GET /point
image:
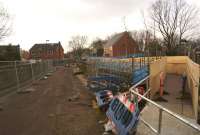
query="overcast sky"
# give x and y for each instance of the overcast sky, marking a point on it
(35, 21)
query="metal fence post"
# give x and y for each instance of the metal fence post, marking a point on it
(32, 73)
(160, 121)
(147, 87)
(47, 67)
(132, 64)
(148, 58)
(148, 81)
(41, 69)
(17, 77)
(43, 66)
(96, 72)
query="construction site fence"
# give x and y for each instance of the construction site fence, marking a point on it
(117, 66)
(15, 75)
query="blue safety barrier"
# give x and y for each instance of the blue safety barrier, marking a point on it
(96, 86)
(103, 99)
(136, 55)
(109, 78)
(124, 115)
(139, 74)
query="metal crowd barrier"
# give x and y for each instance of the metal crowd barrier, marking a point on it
(16, 74)
(161, 110)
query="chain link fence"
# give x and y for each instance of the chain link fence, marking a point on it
(14, 75)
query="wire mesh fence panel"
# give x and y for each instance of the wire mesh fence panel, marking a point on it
(24, 73)
(14, 75)
(7, 78)
(50, 66)
(6, 63)
(121, 67)
(37, 70)
(45, 67)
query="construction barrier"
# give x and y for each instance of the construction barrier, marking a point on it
(156, 68)
(192, 70)
(176, 64)
(16, 75)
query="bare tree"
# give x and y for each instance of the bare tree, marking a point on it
(188, 21)
(77, 43)
(152, 44)
(5, 23)
(97, 45)
(174, 19)
(142, 38)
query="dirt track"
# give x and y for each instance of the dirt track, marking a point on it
(47, 111)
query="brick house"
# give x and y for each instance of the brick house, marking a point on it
(47, 51)
(121, 44)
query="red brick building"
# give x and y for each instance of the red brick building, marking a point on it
(47, 51)
(121, 44)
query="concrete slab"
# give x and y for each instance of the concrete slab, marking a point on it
(173, 85)
(182, 107)
(170, 125)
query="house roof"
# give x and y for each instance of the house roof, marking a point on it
(114, 39)
(46, 46)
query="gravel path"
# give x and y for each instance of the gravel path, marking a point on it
(48, 111)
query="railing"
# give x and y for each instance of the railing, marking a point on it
(161, 110)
